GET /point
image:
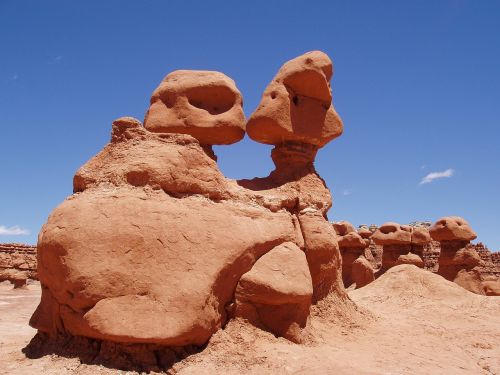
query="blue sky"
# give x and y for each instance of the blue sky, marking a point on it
(417, 84)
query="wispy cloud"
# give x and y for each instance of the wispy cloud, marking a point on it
(13, 77)
(436, 175)
(16, 230)
(347, 192)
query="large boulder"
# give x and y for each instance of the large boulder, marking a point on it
(276, 293)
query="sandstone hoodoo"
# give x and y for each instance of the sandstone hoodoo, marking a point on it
(457, 260)
(396, 240)
(420, 237)
(352, 247)
(156, 246)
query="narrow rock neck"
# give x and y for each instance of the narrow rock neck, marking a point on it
(293, 159)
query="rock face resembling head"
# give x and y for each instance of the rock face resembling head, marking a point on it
(452, 228)
(392, 234)
(297, 105)
(204, 104)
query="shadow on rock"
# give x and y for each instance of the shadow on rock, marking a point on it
(126, 357)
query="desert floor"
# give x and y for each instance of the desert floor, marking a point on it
(409, 321)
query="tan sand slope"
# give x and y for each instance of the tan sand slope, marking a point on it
(409, 321)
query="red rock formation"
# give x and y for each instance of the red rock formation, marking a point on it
(396, 240)
(153, 244)
(431, 256)
(456, 260)
(362, 272)
(352, 246)
(17, 263)
(296, 106)
(206, 105)
(276, 293)
(490, 262)
(491, 287)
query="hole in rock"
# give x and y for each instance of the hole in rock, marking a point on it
(213, 99)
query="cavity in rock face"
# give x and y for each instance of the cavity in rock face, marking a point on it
(457, 261)
(156, 240)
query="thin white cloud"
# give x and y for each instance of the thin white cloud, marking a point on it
(16, 230)
(347, 192)
(13, 77)
(436, 175)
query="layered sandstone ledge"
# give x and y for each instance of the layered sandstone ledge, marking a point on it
(18, 263)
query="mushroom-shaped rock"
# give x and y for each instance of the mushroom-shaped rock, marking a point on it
(352, 240)
(454, 234)
(351, 246)
(276, 293)
(297, 104)
(419, 238)
(16, 277)
(410, 259)
(452, 228)
(204, 104)
(396, 240)
(392, 234)
(362, 272)
(364, 232)
(343, 227)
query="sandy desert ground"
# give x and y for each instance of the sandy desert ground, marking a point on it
(409, 321)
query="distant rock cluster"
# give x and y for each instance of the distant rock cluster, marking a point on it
(443, 248)
(17, 263)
